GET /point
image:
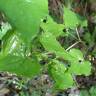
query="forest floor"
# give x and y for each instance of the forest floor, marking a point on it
(12, 85)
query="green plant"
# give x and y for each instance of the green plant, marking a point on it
(15, 10)
(91, 91)
(19, 53)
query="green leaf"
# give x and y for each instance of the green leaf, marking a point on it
(84, 93)
(52, 45)
(63, 79)
(25, 16)
(93, 91)
(71, 19)
(21, 66)
(90, 92)
(83, 68)
(76, 53)
(13, 57)
(52, 27)
(64, 82)
(78, 65)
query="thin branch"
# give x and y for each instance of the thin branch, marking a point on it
(78, 34)
(72, 45)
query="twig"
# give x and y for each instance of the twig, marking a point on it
(72, 45)
(78, 34)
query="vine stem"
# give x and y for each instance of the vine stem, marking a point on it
(72, 45)
(78, 34)
(76, 42)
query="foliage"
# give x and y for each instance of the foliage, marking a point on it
(18, 54)
(91, 91)
(58, 71)
(25, 13)
(72, 19)
(4, 28)
(78, 63)
(12, 57)
(52, 27)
